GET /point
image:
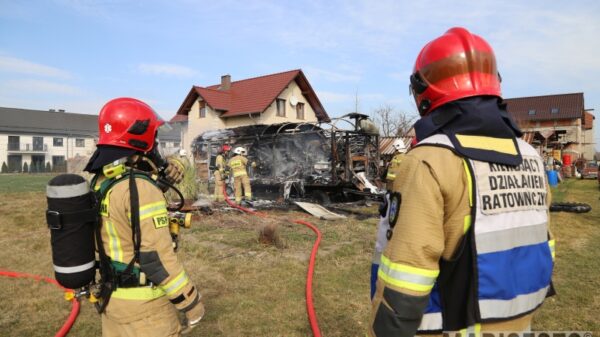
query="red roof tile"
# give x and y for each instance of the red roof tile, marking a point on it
(563, 106)
(178, 118)
(253, 95)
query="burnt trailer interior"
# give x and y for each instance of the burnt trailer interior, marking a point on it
(323, 162)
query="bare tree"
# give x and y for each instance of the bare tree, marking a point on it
(392, 123)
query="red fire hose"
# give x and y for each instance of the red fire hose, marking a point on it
(64, 330)
(312, 317)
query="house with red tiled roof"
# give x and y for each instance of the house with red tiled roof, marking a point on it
(269, 99)
(556, 123)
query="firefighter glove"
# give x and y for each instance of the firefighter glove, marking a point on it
(174, 171)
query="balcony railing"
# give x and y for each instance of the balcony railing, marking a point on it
(24, 147)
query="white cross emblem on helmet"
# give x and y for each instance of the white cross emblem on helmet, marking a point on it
(107, 128)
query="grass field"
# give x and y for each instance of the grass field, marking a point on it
(255, 290)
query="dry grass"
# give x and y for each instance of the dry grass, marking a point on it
(256, 289)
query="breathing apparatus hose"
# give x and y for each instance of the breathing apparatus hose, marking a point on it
(312, 317)
(64, 330)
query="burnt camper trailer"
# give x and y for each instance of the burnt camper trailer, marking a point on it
(338, 160)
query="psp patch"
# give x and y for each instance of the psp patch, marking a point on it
(394, 210)
(160, 221)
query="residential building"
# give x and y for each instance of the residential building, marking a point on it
(270, 99)
(39, 138)
(556, 123)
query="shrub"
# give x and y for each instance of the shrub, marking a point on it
(25, 167)
(4, 167)
(48, 167)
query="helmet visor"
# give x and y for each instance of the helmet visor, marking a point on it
(457, 65)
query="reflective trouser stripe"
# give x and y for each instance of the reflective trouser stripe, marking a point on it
(405, 276)
(551, 244)
(176, 284)
(515, 306)
(431, 322)
(139, 293)
(473, 330)
(114, 242)
(390, 176)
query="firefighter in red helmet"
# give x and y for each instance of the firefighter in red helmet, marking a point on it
(469, 247)
(220, 173)
(142, 277)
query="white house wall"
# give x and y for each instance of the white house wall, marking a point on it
(68, 150)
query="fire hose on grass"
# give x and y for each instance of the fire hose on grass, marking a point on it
(312, 317)
(64, 330)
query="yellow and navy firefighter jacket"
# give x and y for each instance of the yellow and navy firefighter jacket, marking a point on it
(158, 262)
(238, 165)
(471, 247)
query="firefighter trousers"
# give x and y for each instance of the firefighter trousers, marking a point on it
(242, 181)
(134, 318)
(219, 183)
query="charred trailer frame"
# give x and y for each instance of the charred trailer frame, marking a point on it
(297, 160)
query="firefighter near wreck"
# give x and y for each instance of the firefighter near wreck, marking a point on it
(469, 246)
(221, 172)
(238, 168)
(125, 215)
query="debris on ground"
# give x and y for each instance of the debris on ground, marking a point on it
(319, 211)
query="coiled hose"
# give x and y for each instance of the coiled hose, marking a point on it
(64, 330)
(312, 317)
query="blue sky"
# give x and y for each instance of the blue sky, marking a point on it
(77, 54)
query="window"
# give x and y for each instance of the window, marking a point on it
(163, 145)
(59, 164)
(532, 111)
(38, 143)
(176, 144)
(79, 142)
(281, 107)
(300, 110)
(554, 110)
(57, 141)
(202, 111)
(13, 143)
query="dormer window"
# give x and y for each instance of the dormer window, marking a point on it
(532, 111)
(554, 110)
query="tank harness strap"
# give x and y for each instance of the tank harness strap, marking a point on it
(106, 272)
(112, 278)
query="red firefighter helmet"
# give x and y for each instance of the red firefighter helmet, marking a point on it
(225, 148)
(456, 65)
(129, 123)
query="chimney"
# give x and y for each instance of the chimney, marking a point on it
(225, 82)
(61, 110)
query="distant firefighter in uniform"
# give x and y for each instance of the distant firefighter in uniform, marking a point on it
(237, 165)
(469, 248)
(395, 162)
(220, 173)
